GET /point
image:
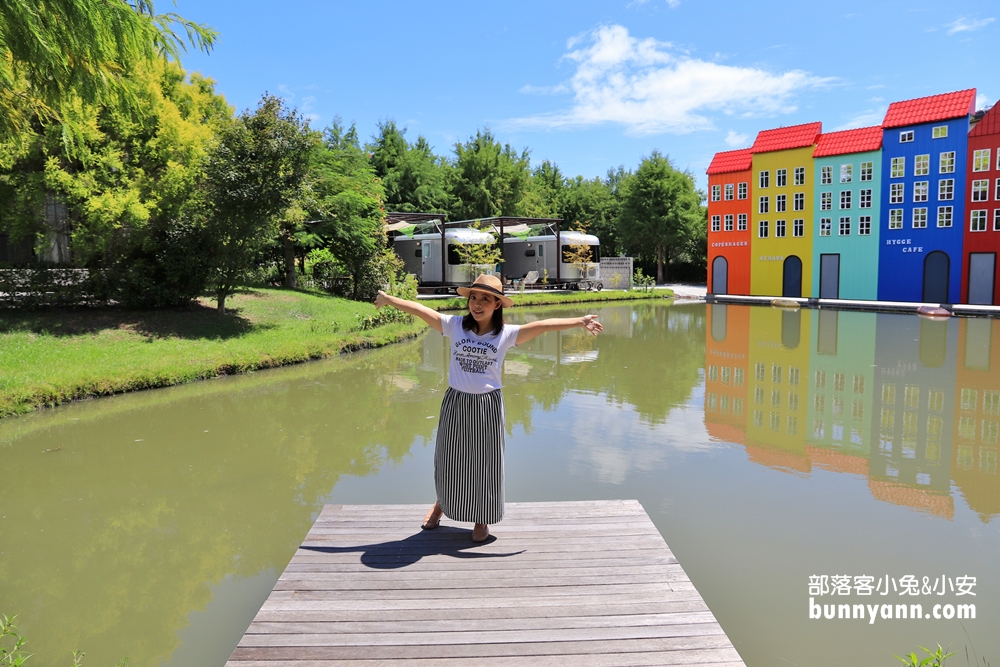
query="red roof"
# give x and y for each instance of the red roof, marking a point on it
(930, 109)
(849, 141)
(784, 138)
(990, 124)
(729, 161)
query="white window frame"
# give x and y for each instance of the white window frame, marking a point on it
(918, 218)
(946, 162)
(779, 229)
(906, 136)
(826, 201)
(728, 192)
(996, 219)
(865, 225)
(743, 190)
(798, 227)
(826, 175)
(897, 167)
(921, 190)
(996, 194)
(825, 224)
(727, 221)
(981, 159)
(716, 223)
(780, 203)
(939, 132)
(762, 228)
(741, 222)
(945, 216)
(846, 199)
(764, 204)
(865, 198)
(867, 171)
(764, 179)
(978, 219)
(799, 201)
(897, 193)
(845, 226)
(895, 218)
(981, 189)
(716, 193)
(946, 189)
(846, 172)
(800, 176)
(780, 178)
(922, 165)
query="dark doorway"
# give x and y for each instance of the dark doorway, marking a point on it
(791, 328)
(829, 276)
(936, 266)
(720, 275)
(982, 267)
(719, 322)
(791, 282)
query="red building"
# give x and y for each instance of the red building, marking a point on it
(729, 222)
(980, 278)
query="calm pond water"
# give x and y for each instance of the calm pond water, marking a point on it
(767, 446)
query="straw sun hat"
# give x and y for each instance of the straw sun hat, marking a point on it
(488, 285)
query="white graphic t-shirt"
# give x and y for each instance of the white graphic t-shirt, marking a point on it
(476, 360)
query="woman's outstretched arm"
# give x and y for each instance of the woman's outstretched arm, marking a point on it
(532, 329)
(432, 317)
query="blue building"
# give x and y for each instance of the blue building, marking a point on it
(924, 146)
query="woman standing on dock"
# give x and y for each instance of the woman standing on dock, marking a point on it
(469, 452)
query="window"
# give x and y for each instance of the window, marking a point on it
(763, 204)
(867, 171)
(765, 176)
(896, 193)
(741, 190)
(758, 372)
(780, 178)
(898, 169)
(845, 226)
(996, 219)
(715, 223)
(996, 194)
(826, 176)
(824, 226)
(800, 176)
(946, 165)
(865, 225)
(779, 229)
(977, 222)
(820, 380)
(919, 218)
(921, 165)
(775, 374)
(981, 160)
(846, 173)
(946, 189)
(741, 222)
(780, 203)
(865, 199)
(896, 218)
(800, 201)
(825, 201)
(762, 229)
(920, 191)
(738, 377)
(944, 216)
(729, 191)
(716, 193)
(729, 222)
(838, 382)
(906, 137)
(845, 199)
(758, 395)
(939, 132)
(798, 227)
(981, 190)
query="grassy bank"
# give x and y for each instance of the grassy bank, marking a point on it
(557, 297)
(54, 356)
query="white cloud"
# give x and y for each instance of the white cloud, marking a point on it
(982, 101)
(864, 119)
(673, 4)
(643, 85)
(528, 89)
(736, 140)
(965, 24)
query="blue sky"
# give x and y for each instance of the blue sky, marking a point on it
(594, 85)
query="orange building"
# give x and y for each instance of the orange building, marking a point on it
(729, 222)
(727, 341)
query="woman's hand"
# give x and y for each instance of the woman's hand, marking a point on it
(590, 323)
(382, 299)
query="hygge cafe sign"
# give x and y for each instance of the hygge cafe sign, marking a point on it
(906, 243)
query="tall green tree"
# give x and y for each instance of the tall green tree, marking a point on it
(660, 212)
(413, 178)
(253, 175)
(489, 179)
(58, 54)
(593, 204)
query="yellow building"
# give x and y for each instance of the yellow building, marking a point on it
(781, 246)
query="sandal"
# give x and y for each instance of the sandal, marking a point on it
(480, 532)
(433, 518)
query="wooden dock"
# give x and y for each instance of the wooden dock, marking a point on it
(560, 583)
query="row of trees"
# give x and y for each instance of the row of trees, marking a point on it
(164, 192)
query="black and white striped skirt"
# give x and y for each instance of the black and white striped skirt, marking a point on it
(468, 456)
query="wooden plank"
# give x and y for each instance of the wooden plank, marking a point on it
(579, 583)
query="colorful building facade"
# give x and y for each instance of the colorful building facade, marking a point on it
(730, 193)
(782, 218)
(846, 206)
(726, 358)
(980, 278)
(924, 147)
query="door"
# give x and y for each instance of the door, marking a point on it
(720, 275)
(791, 283)
(829, 276)
(936, 266)
(430, 263)
(982, 267)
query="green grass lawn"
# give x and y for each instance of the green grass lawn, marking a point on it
(53, 356)
(556, 297)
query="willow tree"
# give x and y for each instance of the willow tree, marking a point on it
(56, 55)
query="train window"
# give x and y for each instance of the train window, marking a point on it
(418, 252)
(530, 252)
(453, 257)
(595, 253)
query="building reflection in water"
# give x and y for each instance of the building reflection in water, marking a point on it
(913, 404)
